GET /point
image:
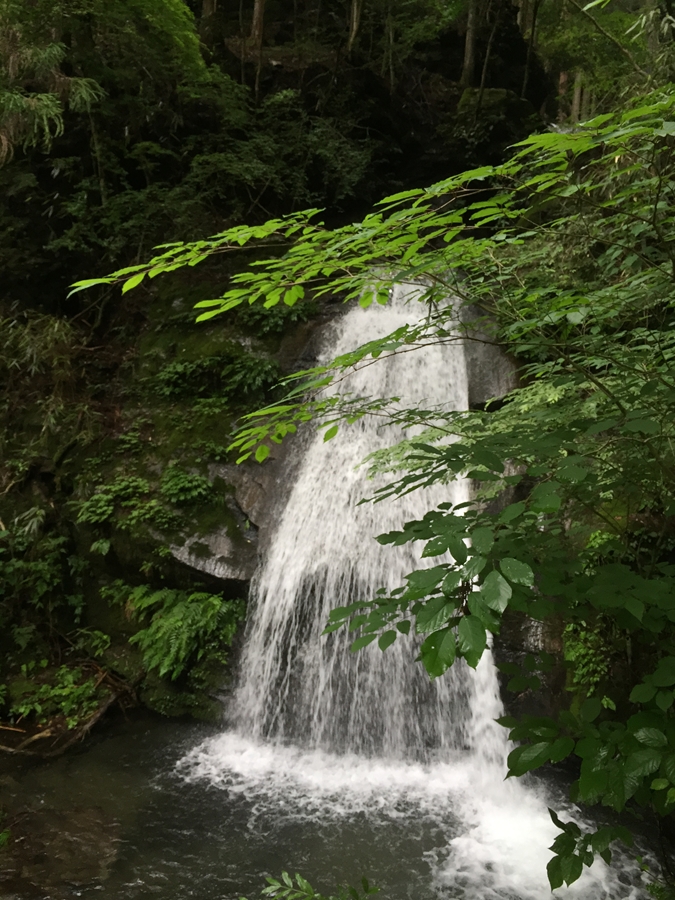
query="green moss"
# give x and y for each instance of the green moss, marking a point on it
(169, 700)
(125, 660)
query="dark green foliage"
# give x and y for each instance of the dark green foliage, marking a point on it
(66, 692)
(232, 375)
(180, 626)
(39, 584)
(277, 319)
(184, 488)
(128, 498)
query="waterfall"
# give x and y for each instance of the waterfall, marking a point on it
(319, 732)
(298, 684)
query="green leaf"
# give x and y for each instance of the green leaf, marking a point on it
(516, 571)
(590, 709)
(571, 868)
(386, 640)
(660, 784)
(643, 426)
(496, 592)
(642, 762)
(262, 452)
(571, 473)
(651, 737)
(451, 582)
(457, 548)
(545, 501)
(642, 693)
(665, 672)
(423, 581)
(530, 756)
(592, 783)
(433, 614)
(87, 283)
(330, 434)
(561, 749)
(664, 700)
(362, 641)
(438, 652)
(511, 512)
(472, 639)
(482, 540)
(554, 872)
(669, 767)
(473, 567)
(133, 282)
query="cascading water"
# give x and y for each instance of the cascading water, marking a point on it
(323, 734)
(298, 684)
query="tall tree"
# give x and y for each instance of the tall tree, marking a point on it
(469, 63)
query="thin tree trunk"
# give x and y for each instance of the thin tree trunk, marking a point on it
(562, 91)
(390, 31)
(206, 23)
(609, 37)
(576, 97)
(530, 48)
(98, 157)
(524, 16)
(488, 52)
(469, 64)
(354, 23)
(258, 22)
(585, 104)
(242, 42)
(257, 27)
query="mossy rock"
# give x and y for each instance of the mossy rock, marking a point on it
(18, 688)
(495, 103)
(124, 660)
(168, 699)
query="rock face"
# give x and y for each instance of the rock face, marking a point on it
(257, 491)
(521, 636)
(220, 556)
(491, 374)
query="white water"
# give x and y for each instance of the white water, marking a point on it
(320, 733)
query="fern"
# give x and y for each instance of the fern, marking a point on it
(180, 625)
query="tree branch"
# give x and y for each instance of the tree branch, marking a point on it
(610, 37)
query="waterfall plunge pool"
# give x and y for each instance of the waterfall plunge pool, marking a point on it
(192, 813)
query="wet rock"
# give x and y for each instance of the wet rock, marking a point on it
(51, 849)
(491, 374)
(219, 555)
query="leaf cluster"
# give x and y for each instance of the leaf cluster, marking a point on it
(298, 888)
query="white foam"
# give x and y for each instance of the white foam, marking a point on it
(496, 833)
